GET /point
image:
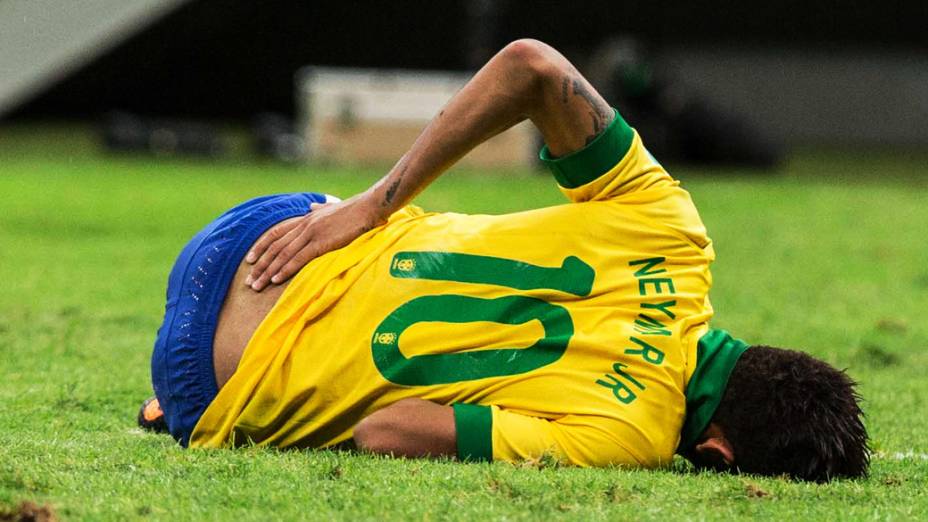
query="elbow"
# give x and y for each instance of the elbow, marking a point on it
(531, 55)
(533, 63)
(371, 435)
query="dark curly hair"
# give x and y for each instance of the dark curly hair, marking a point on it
(787, 413)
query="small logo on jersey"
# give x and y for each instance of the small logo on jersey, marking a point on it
(405, 265)
(385, 338)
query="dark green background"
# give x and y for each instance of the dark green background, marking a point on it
(231, 59)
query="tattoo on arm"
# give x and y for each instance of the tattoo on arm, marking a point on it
(391, 190)
(600, 112)
(564, 85)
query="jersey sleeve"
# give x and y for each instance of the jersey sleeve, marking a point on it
(487, 433)
(614, 164)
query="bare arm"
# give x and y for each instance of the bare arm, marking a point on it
(409, 428)
(420, 428)
(525, 80)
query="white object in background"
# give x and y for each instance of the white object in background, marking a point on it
(373, 116)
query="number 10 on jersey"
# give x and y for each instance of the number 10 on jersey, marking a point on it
(573, 277)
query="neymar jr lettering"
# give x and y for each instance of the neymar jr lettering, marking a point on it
(646, 326)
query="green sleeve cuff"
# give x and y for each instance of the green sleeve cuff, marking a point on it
(604, 152)
(474, 426)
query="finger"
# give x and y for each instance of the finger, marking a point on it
(296, 263)
(314, 206)
(261, 245)
(260, 267)
(292, 243)
(275, 233)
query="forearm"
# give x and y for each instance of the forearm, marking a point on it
(525, 80)
(409, 428)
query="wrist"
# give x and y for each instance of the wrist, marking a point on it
(388, 195)
(374, 204)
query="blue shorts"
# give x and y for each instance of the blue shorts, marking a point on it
(182, 370)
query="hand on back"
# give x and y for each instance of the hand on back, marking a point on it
(290, 245)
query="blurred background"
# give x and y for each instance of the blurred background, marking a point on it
(706, 81)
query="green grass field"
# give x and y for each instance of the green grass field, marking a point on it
(828, 255)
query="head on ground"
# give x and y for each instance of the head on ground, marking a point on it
(151, 417)
(786, 413)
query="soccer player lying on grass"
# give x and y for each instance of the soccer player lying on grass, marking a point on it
(577, 331)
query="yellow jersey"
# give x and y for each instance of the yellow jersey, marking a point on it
(569, 331)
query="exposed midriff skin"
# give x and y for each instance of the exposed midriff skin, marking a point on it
(241, 313)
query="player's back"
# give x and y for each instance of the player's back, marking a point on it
(242, 311)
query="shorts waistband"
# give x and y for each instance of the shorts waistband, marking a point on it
(182, 369)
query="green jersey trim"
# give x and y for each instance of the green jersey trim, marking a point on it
(604, 152)
(716, 355)
(474, 426)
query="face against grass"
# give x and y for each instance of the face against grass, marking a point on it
(703, 462)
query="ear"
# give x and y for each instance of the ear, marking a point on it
(715, 447)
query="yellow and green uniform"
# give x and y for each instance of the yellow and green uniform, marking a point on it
(571, 330)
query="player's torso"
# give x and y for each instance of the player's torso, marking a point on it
(581, 309)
